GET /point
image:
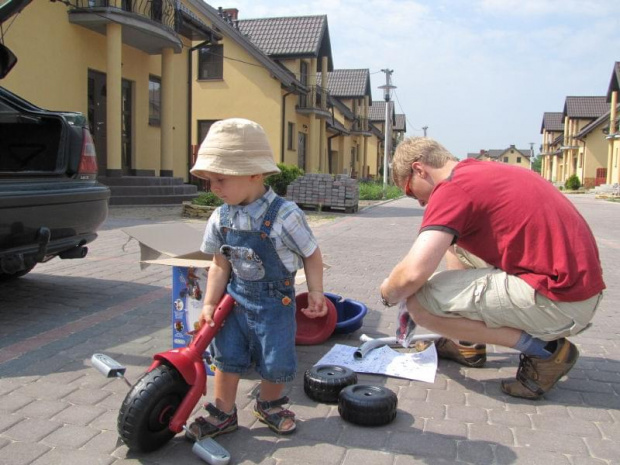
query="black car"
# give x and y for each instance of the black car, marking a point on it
(50, 201)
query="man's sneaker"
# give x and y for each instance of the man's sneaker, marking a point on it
(470, 355)
(537, 376)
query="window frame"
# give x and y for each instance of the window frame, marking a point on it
(154, 119)
(216, 53)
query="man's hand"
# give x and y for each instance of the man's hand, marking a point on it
(317, 306)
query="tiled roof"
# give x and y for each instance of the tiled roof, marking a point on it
(585, 107)
(552, 121)
(298, 35)
(224, 27)
(376, 112)
(496, 153)
(614, 82)
(400, 123)
(348, 83)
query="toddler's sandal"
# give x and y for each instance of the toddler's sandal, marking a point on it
(275, 419)
(202, 428)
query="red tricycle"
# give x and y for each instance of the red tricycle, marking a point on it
(159, 404)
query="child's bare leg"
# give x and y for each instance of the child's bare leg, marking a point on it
(225, 390)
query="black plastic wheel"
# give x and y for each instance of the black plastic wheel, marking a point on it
(323, 383)
(367, 405)
(148, 408)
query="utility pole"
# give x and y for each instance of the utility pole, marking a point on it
(531, 153)
(388, 138)
(424, 128)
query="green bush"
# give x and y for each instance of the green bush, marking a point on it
(572, 183)
(208, 199)
(374, 191)
(279, 182)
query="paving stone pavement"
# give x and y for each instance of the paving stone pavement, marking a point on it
(56, 409)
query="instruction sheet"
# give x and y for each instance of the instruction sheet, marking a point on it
(418, 366)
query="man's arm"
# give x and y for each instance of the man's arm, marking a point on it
(418, 265)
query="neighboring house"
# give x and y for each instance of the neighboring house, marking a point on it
(592, 162)
(353, 152)
(510, 156)
(397, 122)
(613, 132)
(266, 70)
(578, 113)
(125, 65)
(552, 128)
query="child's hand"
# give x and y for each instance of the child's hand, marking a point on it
(206, 316)
(317, 306)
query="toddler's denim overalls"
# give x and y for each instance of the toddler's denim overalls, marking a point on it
(261, 328)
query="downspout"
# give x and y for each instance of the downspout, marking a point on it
(282, 130)
(189, 103)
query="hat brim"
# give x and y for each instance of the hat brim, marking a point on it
(234, 163)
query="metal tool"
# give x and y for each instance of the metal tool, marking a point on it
(369, 343)
(109, 367)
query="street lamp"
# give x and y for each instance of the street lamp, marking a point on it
(386, 149)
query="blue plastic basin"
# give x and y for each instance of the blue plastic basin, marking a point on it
(350, 313)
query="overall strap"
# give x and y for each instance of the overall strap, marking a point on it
(224, 220)
(271, 214)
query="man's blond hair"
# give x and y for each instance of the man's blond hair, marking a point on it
(422, 149)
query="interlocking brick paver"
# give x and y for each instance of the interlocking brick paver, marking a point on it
(22, 453)
(50, 394)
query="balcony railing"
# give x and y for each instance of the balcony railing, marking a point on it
(360, 124)
(160, 11)
(315, 100)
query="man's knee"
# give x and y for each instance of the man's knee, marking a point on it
(418, 313)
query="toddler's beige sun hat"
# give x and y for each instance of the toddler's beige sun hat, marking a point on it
(236, 147)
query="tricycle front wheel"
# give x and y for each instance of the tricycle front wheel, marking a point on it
(144, 417)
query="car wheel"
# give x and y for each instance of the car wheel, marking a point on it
(323, 383)
(144, 417)
(367, 405)
(11, 276)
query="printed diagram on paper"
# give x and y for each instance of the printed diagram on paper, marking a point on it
(418, 366)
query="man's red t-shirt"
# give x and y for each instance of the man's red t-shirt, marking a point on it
(520, 223)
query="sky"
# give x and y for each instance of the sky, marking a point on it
(479, 74)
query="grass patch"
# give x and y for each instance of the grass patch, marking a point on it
(374, 191)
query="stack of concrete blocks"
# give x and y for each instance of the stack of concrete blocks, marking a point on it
(325, 191)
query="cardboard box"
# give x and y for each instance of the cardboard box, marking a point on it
(178, 245)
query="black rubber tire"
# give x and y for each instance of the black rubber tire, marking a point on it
(367, 405)
(148, 407)
(323, 383)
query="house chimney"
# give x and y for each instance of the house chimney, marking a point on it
(233, 13)
(512, 146)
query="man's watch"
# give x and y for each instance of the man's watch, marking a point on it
(385, 302)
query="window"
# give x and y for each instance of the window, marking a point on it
(505, 159)
(154, 101)
(290, 144)
(203, 128)
(518, 159)
(211, 62)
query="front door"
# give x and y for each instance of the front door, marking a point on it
(97, 117)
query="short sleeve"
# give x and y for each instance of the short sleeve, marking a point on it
(296, 233)
(449, 209)
(212, 239)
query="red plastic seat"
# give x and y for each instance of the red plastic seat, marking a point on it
(312, 331)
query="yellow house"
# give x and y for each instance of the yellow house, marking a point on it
(578, 113)
(125, 66)
(510, 156)
(266, 70)
(398, 128)
(352, 152)
(552, 129)
(613, 132)
(592, 158)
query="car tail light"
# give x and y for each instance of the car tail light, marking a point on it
(88, 159)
